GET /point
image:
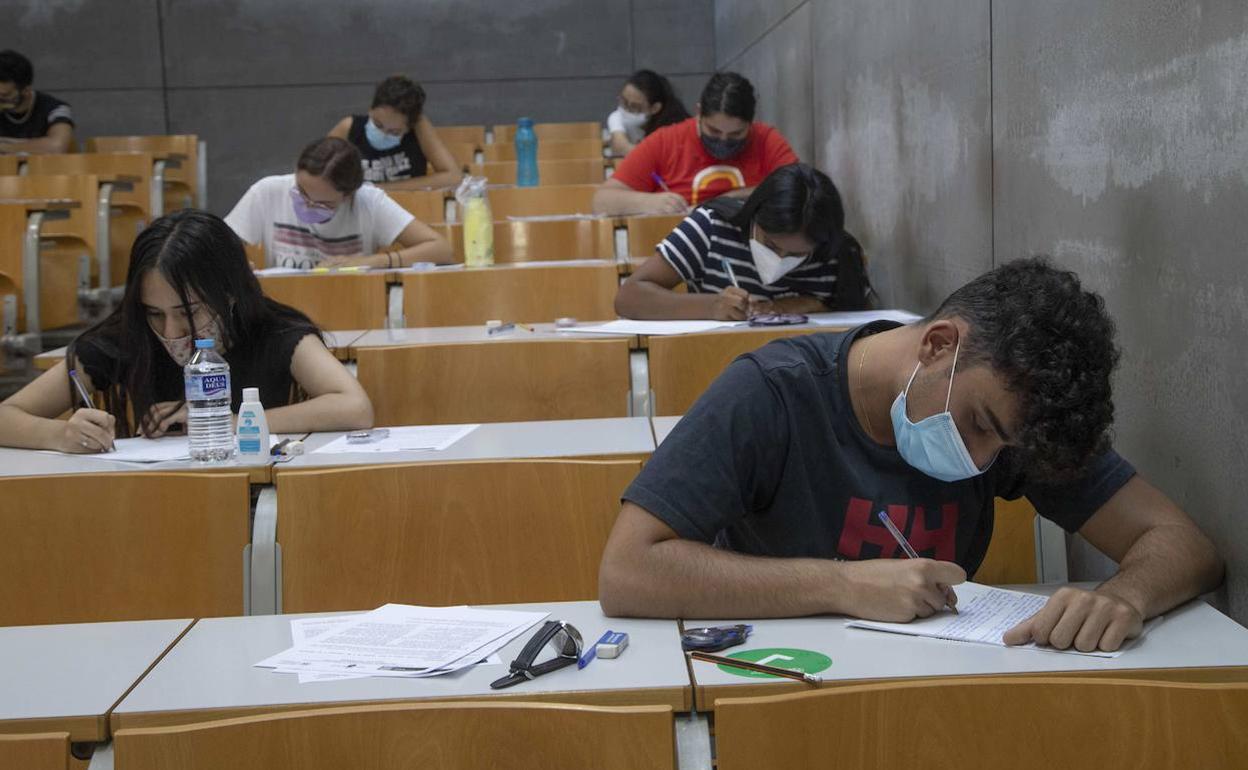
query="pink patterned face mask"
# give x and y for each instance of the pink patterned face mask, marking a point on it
(181, 348)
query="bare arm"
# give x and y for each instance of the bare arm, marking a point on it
(60, 138)
(799, 304)
(616, 198)
(1163, 560)
(29, 418)
(336, 401)
(419, 243)
(647, 294)
(648, 571)
(620, 146)
(341, 128)
(445, 171)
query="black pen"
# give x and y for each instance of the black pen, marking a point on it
(913, 554)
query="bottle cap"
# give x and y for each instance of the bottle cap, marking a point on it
(251, 394)
(201, 344)
(525, 122)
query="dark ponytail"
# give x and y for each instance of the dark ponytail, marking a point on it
(801, 199)
(731, 94)
(658, 90)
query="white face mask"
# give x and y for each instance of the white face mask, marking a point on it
(633, 119)
(181, 348)
(770, 265)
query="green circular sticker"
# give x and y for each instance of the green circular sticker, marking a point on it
(805, 661)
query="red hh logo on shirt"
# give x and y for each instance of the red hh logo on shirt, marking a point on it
(933, 534)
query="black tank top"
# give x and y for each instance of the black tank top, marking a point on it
(403, 162)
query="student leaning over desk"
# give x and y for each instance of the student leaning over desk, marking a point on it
(763, 501)
(783, 250)
(30, 121)
(189, 279)
(396, 140)
(647, 102)
(326, 215)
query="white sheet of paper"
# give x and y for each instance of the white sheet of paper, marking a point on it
(860, 317)
(151, 450)
(303, 630)
(984, 615)
(555, 217)
(650, 328)
(402, 640)
(280, 271)
(564, 263)
(407, 438)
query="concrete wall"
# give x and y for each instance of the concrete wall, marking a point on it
(258, 79)
(1112, 135)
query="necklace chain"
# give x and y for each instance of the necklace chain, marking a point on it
(861, 361)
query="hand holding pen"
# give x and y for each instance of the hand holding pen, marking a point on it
(951, 599)
(88, 430)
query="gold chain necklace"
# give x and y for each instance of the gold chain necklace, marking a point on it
(862, 360)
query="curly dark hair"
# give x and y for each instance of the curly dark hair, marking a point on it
(403, 94)
(1053, 343)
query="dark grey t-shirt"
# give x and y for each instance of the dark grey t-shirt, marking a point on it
(772, 461)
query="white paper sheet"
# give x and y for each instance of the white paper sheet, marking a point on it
(860, 317)
(150, 450)
(555, 217)
(984, 615)
(280, 271)
(405, 641)
(304, 630)
(651, 328)
(407, 438)
(564, 263)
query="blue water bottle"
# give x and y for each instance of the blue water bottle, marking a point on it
(526, 153)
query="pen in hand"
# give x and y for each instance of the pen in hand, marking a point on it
(82, 393)
(950, 597)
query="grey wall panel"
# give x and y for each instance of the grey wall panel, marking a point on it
(1122, 148)
(672, 37)
(81, 44)
(739, 23)
(902, 123)
(553, 100)
(253, 132)
(780, 67)
(116, 112)
(293, 42)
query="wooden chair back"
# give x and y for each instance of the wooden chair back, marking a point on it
(541, 201)
(546, 150)
(64, 241)
(1020, 723)
(179, 151)
(645, 233)
(541, 241)
(474, 135)
(131, 174)
(9, 165)
(490, 532)
(549, 172)
(34, 751)
(333, 300)
(448, 736)
(464, 153)
(122, 546)
(553, 132)
(1011, 556)
(12, 233)
(682, 367)
(511, 292)
(429, 206)
(496, 381)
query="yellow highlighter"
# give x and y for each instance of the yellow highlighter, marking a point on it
(347, 269)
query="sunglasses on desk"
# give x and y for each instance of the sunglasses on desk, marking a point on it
(562, 637)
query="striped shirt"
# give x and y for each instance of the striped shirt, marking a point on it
(699, 245)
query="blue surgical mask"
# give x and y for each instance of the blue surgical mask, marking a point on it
(378, 138)
(933, 444)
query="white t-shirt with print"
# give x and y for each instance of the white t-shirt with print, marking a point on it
(615, 122)
(366, 222)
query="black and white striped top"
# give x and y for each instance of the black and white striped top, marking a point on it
(697, 247)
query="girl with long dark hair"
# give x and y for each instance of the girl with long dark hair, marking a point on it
(189, 279)
(647, 102)
(784, 249)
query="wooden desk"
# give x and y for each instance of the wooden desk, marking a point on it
(209, 673)
(339, 342)
(663, 426)
(69, 677)
(608, 437)
(333, 300)
(1195, 643)
(532, 292)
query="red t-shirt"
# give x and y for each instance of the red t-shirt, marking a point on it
(676, 154)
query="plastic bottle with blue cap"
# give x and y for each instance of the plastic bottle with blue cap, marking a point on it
(208, 402)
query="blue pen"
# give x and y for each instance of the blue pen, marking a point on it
(86, 400)
(659, 181)
(913, 554)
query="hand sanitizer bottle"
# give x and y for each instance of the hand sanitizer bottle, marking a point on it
(253, 428)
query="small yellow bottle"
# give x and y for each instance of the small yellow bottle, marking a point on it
(478, 233)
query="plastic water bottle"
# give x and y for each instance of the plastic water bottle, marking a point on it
(208, 401)
(526, 153)
(253, 428)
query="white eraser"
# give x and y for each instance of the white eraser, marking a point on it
(613, 647)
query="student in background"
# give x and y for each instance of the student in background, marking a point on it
(763, 501)
(189, 279)
(720, 150)
(325, 215)
(395, 139)
(646, 103)
(786, 245)
(30, 121)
